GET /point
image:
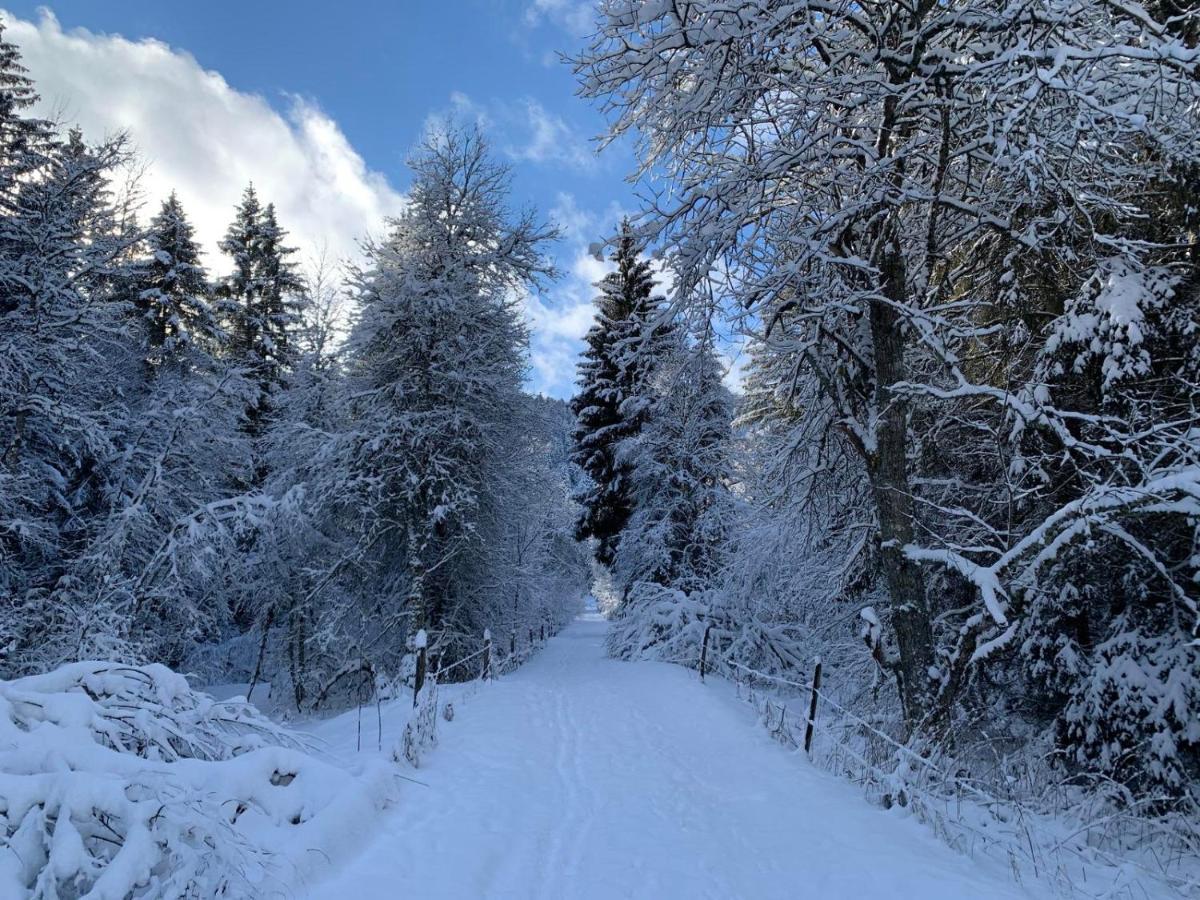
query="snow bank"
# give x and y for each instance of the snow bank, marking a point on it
(120, 781)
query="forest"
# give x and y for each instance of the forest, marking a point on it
(955, 246)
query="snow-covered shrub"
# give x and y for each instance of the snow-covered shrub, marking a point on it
(148, 711)
(122, 782)
(1135, 717)
(657, 622)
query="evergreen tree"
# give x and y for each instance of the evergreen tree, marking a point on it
(613, 380)
(240, 287)
(63, 351)
(261, 301)
(679, 475)
(55, 330)
(172, 303)
(281, 290)
(23, 139)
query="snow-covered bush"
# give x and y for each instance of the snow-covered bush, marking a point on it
(1134, 717)
(122, 782)
(657, 622)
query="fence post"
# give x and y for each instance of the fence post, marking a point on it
(543, 632)
(812, 707)
(704, 650)
(531, 638)
(487, 654)
(419, 682)
(512, 643)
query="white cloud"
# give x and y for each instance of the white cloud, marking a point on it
(522, 130)
(551, 139)
(560, 316)
(577, 17)
(462, 109)
(206, 139)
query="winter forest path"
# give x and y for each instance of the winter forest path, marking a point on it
(579, 776)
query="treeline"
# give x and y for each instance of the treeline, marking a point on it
(273, 475)
(960, 242)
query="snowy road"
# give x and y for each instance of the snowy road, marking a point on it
(583, 777)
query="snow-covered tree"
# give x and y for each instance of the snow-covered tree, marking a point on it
(61, 358)
(22, 137)
(433, 495)
(614, 388)
(173, 300)
(846, 166)
(261, 301)
(679, 474)
(670, 560)
(437, 360)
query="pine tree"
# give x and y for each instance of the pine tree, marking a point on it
(679, 474)
(23, 140)
(260, 301)
(62, 357)
(280, 287)
(240, 244)
(610, 406)
(173, 300)
(51, 430)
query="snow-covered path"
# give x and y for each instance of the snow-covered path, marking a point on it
(583, 777)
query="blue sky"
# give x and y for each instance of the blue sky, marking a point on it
(320, 106)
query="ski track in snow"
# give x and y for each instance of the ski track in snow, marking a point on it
(579, 776)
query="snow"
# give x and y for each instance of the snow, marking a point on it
(1107, 321)
(580, 776)
(120, 781)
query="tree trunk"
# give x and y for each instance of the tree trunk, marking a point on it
(888, 468)
(268, 621)
(418, 614)
(298, 656)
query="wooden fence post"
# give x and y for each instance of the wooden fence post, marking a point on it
(812, 707)
(704, 650)
(419, 682)
(487, 654)
(543, 632)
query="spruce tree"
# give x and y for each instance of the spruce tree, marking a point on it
(612, 402)
(681, 474)
(238, 290)
(173, 300)
(23, 139)
(62, 356)
(260, 301)
(280, 287)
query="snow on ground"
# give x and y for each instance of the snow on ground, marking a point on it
(119, 781)
(579, 776)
